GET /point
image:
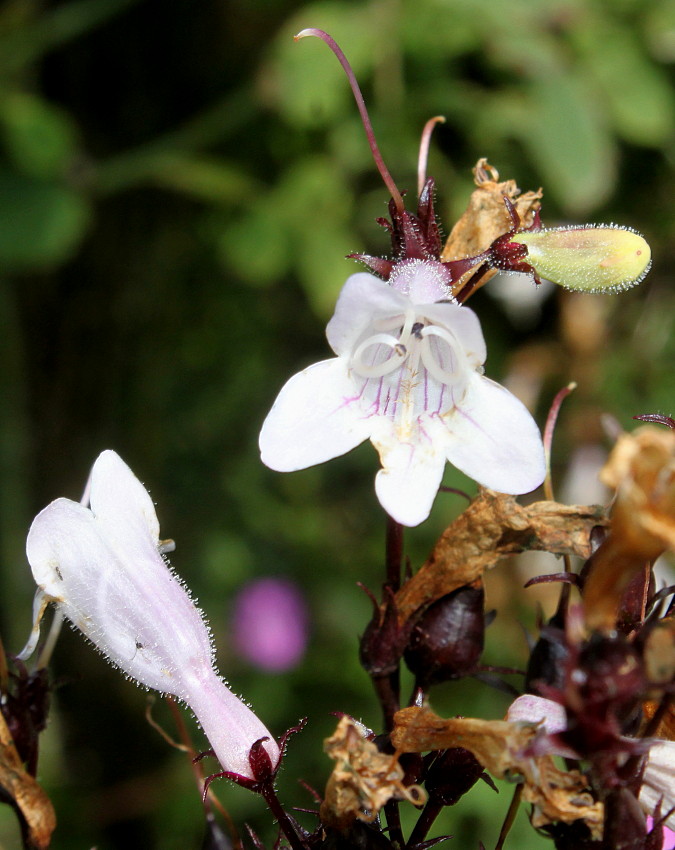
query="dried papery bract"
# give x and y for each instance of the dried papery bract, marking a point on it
(104, 569)
(363, 780)
(657, 779)
(642, 469)
(505, 749)
(486, 218)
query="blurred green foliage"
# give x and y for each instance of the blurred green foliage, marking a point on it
(179, 184)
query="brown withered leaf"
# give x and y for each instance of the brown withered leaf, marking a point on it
(641, 467)
(492, 527)
(363, 780)
(559, 795)
(495, 743)
(486, 218)
(29, 798)
(502, 748)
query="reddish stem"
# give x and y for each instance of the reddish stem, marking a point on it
(361, 104)
(549, 428)
(424, 150)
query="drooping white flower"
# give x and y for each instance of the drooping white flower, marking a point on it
(104, 567)
(407, 376)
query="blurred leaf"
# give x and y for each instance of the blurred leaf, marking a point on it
(205, 178)
(568, 141)
(322, 274)
(660, 30)
(29, 40)
(636, 92)
(41, 222)
(303, 79)
(38, 137)
(255, 244)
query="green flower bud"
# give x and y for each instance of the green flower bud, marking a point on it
(603, 258)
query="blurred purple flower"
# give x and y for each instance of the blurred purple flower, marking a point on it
(270, 624)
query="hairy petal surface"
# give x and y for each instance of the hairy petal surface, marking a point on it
(104, 569)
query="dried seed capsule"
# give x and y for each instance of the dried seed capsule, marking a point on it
(603, 258)
(447, 641)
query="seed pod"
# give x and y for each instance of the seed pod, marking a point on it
(603, 258)
(447, 641)
(452, 773)
(548, 661)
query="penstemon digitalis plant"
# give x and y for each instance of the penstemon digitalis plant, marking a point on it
(408, 374)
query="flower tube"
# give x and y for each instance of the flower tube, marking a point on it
(104, 567)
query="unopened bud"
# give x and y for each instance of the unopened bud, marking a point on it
(447, 641)
(607, 258)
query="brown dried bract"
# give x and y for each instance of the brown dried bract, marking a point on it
(363, 780)
(28, 797)
(502, 747)
(492, 527)
(642, 469)
(486, 218)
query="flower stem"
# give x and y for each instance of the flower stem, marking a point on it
(269, 795)
(424, 823)
(394, 823)
(549, 428)
(358, 97)
(472, 283)
(510, 817)
(393, 553)
(424, 150)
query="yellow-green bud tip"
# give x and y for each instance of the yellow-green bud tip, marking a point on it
(591, 258)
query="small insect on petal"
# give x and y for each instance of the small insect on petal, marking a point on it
(606, 258)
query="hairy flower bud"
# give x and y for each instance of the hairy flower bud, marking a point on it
(604, 258)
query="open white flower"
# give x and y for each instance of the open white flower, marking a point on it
(105, 569)
(408, 376)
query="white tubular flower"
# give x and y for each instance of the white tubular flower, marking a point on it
(103, 566)
(408, 376)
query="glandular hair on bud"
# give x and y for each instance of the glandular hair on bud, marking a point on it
(590, 258)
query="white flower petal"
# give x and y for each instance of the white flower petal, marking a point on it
(464, 324)
(363, 298)
(529, 708)
(494, 440)
(229, 724)
(315, 418)
(117, 495)
(119, 592)
(407, 484)
(659, 780)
